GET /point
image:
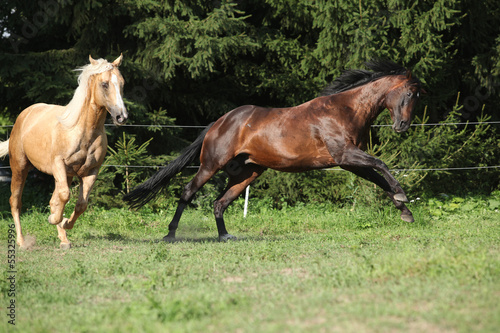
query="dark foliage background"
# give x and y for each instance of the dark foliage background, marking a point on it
(189, 62)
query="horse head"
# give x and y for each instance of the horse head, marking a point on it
(108, 88)
(401, 101)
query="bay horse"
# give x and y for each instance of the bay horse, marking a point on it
(66, 141)
(330, 130)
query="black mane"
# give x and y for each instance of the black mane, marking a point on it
(357, 77)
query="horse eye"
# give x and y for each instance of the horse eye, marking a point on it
(105, 85)
(408, 94)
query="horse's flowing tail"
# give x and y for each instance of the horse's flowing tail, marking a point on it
(4, 148)
(142, 194)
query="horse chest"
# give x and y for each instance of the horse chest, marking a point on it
(86, 157)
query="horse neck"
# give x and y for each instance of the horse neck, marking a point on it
(368, 100)
(92, 115)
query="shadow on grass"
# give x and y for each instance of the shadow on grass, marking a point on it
(113, 237)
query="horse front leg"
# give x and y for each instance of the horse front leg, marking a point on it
(365, 166)
(86, 183)
(352, 156)
(59, 199)
(373, 176)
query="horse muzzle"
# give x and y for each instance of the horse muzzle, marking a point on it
(119, 116)
(400, 126)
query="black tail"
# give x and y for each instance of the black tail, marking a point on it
(142, 194)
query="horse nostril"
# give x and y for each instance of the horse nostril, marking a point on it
(121, 119)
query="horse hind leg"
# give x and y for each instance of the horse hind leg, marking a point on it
(201, 177)
(239, 178)
(18, 179)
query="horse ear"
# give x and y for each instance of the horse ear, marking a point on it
(408, 74)
(118, 60)
(92, 61)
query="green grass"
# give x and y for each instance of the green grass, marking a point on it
(308, 268)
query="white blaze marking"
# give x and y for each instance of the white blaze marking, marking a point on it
(119, 101)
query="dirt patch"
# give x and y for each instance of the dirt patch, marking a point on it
(233, 279)
(29, 242)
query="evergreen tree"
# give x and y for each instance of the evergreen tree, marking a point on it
(199, 59)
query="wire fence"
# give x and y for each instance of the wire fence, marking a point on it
(329, 169)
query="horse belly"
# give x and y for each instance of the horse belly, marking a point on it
(295, 165)
(283, 156)
(39, 160)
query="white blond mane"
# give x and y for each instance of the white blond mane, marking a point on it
(72, 111)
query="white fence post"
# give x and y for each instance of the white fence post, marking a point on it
(245, 208)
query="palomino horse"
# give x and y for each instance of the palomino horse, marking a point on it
(66, 141)
(331, 130)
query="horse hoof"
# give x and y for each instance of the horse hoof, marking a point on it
(65, 224)
(169, 239)
(400, 197)
(227, 237)
(65, 246)
(407, 218)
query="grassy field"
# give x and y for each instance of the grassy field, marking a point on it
(307, 268)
